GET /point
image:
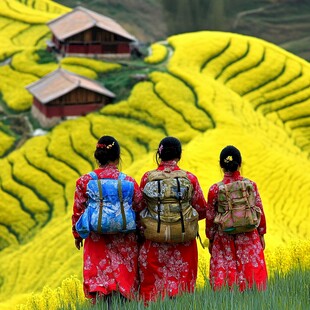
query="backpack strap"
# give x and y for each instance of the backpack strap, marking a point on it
(121, 177)
(158, 206)
(94, 176)
(230, 206)
(100, 205)
(180, 204)
(245, 194)
(120, 196)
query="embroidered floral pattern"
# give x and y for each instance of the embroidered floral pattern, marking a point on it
(168, 269)
(236, 259)
(110, 261)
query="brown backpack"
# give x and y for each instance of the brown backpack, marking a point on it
(237, 212)
(169, 216)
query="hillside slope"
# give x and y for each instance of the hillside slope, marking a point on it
(208, 97)
(286, 24)
(209, 89)
(283, 22)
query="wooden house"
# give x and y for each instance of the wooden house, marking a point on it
(83, 32)
(61, 94)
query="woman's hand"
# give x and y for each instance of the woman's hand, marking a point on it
(78, 243)
(262, 241)
(210, 246)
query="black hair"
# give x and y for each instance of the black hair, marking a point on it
(169, 148)
(230, 158)
(107, 150)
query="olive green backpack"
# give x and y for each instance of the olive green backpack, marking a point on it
(237, 212)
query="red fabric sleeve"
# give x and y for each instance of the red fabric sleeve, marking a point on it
(262, 228)
(137, 195)
(80, 199)
(211, 228)
(198, 201)
(142, 184)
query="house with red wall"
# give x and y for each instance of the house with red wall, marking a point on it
(61, 94)
(84, 32)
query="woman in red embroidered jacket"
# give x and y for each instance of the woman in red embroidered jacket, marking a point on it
(167, 269)
(110, 260)
(235, 259)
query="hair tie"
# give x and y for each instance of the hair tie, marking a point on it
(160, 149)
(104, 146)
(228, 159)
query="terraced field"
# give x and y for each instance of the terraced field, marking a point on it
(212, 90)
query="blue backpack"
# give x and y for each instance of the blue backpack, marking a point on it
(109, 207)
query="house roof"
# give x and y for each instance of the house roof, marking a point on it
(81, 19)
(61, 82)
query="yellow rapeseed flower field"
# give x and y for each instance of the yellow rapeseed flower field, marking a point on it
(7, 142)
(158, 53)
(218, 89)
(97, 66)
(23, 32)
